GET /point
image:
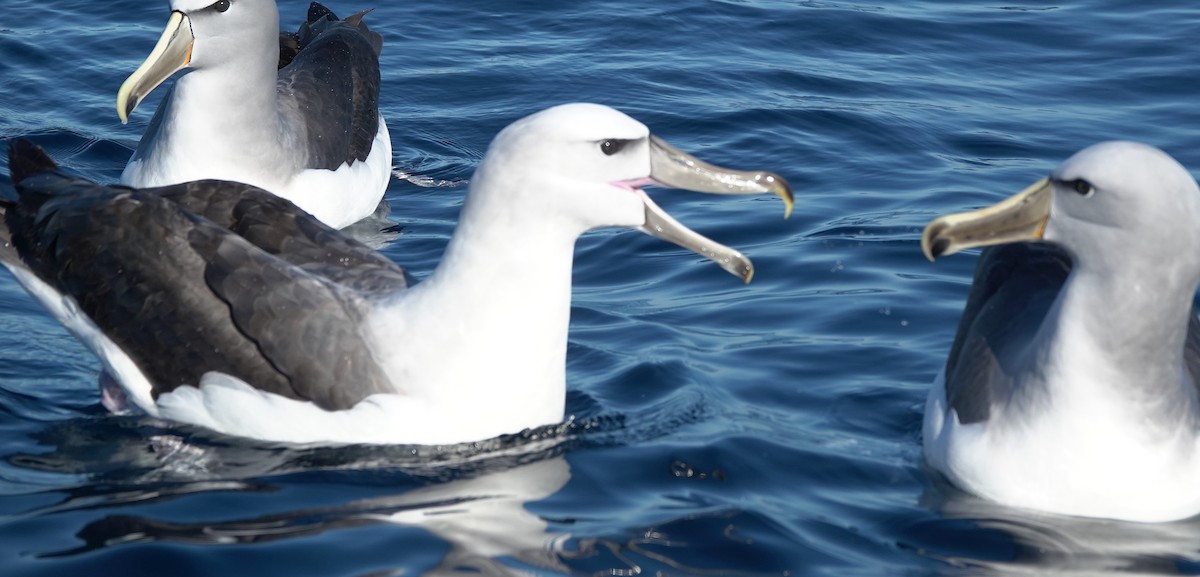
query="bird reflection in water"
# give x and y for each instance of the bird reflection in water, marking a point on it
(974, 536)
(475, 498)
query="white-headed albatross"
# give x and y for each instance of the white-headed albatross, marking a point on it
(217, 304)
(303, 124)
(1071, 386)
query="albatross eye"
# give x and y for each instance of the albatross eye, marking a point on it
(1083, 187)
(221, 5)
(612, 146)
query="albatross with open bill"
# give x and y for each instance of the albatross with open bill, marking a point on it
(217, 304)
(1071, 386)
(303, 124)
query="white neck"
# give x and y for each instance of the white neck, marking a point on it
(495, 351)
(1120, 362)
(217, 116)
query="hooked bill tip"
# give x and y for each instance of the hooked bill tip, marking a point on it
(127, 101)
(782, 189)
(937, 249)
(933, 244)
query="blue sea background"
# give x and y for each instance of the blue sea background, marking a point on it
(769, 429)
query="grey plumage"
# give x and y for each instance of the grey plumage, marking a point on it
(204, 276)
(1015, 286)
(329, 75)
(335, 74)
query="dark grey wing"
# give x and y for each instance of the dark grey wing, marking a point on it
(1014, 287)
(305, 325)
(318, 13)
(280, 228)
(289, 47)
(182, 295)
(333, 83)
(124, 257)
(1191, 349)
(8, 252)
(8, 201)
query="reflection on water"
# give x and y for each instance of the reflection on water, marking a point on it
(979, 537)
(471, 496)
(141, 482)
(484, 520)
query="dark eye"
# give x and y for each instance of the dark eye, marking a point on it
(221, 5)
(612, 146)
(1082, 186)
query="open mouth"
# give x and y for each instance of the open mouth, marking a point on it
(673, 168)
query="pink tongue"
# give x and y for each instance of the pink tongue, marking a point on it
(634, 184)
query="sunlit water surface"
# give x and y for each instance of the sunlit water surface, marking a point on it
(718, 428)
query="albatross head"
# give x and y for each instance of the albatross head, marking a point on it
(205, 34)
(586, 164)
(1109, 202)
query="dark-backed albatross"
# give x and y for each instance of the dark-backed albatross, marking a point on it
(309, 131)
(1071, 386)
(217, 304)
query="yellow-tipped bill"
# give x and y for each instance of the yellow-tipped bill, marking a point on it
(675, 168)
(672, 167)
(1021, 217)
(661, 225)
(172, 53)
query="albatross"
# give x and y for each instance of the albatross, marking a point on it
(304, 124)
(217, 304)
(1071, 386)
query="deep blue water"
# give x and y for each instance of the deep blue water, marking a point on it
(720, 429)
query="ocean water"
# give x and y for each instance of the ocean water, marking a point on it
(769, 429)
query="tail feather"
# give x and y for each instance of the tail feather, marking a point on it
(317, 11)
(26, 159)
(321, 19)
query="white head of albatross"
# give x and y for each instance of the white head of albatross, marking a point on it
(309, 131)
(1072, 383)
(267, 324)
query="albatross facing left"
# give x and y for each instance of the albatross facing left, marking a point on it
(1072, 383)
(310, 131)
(217, 304)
